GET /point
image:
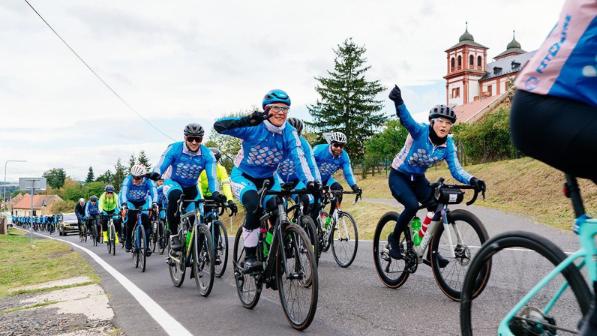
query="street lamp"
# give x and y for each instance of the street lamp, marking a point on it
(4, 185)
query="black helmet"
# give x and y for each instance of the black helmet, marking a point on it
(442, 111)
(109, 188)
(194, 130)
(296, 123)
(216, 152)
(93, 198)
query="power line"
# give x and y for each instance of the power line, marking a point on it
(98, 76)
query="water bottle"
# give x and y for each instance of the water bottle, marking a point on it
(188, 238)
(415, 226)
(267, 242)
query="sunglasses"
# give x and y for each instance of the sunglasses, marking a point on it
(338, 145)
(137, 178)
(278, 109)
(194, 139)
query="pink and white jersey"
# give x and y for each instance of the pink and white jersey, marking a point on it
(566, 63)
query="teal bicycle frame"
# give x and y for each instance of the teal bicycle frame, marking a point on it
(587, 252)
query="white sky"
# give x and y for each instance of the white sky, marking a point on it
(190, 61)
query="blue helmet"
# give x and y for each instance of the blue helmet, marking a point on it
(275, 96)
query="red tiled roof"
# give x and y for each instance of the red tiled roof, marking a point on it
(38, 201)
(473, 111)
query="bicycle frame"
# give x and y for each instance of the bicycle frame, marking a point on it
(587, 252)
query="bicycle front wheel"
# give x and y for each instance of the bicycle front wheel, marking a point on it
(248, 287)
(220, 248)
(297, 278)
(449, 263)
(176, 265)
(523, 259)
(143, 243)
(203, 260)
(345, 240)
(392, 272)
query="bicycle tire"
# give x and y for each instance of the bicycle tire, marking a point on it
(385, 226)
(203, 260)
(143, 247)
(112, 238)
(289, 243)
(525, 240)
(455, 217)
(221, 248)
(109, 244)
(153, 236)
(94, 232)
(325, 243)
(136, 247)
(308, 225)
(248, 301)
(177, 269)
(344, 257)
(165, 237)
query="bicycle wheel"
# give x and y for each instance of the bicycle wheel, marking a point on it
(221, 249)
(326, 239)
(523, 259)
(164, 237)
(109, 242)
(470, 229)
(143, 243)
(345, 239)
(307, 224)
(248, 287)
(176, 265)
(203, 260)
(153, 236)
(136, 246)
(113, 238)
(297, 282)
(94, 233)
(392, 272)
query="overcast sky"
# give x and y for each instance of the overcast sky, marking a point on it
(190, 61)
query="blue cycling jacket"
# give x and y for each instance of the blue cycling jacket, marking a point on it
(329, 164)
(181, 165)
(286, 169)
(419, 153)
(131, 192)
(161, 197)
(264, 146)
(91, 210)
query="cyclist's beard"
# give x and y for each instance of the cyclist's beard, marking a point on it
(435, 139)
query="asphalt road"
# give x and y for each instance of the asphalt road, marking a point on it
(352, 301)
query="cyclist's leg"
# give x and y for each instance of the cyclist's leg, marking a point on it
(402, 191)
(131, 219)
(557, 131)
(172, 191)
(104, 222)
(335, 186)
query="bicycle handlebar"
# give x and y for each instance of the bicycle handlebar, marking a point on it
(440, 184)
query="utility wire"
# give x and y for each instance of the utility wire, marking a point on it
(98, 76)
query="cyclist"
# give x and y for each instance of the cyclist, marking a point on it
(425, 146)
(108, 206)
(180, 166)
(162, 203)
(288, 175)
(139, 192)
(266, 140)
(329, 159)
(554, 111)
(91, 213)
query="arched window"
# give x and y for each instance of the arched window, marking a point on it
(479, 60)
(471, 61)
(459, 62)
(452, 64)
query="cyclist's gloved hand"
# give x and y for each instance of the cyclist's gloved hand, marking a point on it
(478, 184)
(232, 206)
(257, 117)
(396, 96)
(312, 186)
(218, 197)
(153, 176)
(356, 189)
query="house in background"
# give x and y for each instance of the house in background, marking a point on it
(41, 205)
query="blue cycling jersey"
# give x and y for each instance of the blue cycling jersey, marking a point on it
(329, 164)
(91, 209)
(182, 166)
(286, 168)
(161, 197)
(264, 146)
(131, 192)
(419, 153)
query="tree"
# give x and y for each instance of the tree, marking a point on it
(132, 161)
(142, 159)
(55, 177)
(90, 176)
(120, 173)
(107, 177)
(347, 102)
(383, 146)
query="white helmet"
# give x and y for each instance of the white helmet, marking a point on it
(335, 137)
(81, 200)
(138, 170)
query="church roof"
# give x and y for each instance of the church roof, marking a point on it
(467, 39)
(513, 47)
(506, 65)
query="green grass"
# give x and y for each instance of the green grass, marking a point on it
(25, 263)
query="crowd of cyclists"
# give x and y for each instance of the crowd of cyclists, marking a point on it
(42, 222)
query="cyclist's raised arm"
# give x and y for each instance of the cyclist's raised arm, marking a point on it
(293, 144)
(310, 159)
(403, 114)
(210, 169)
(239, 127)
(454, 165)
(347, 169)
(165, 160)
(153, 190)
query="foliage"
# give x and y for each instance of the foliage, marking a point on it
(132, 161)
(385, 145)
(55, 177)
(107, 177)
(120, 173)
(347, 102)
(94, 188)
(62, 207)
(72, 190)
(90, 175)
(142, 159)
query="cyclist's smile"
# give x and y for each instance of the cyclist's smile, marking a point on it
(278, 113)
(442, 127)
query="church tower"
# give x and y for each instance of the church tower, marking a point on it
(466, 62)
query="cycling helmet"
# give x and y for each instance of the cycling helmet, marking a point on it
(216, 152)
(336, 137)
(193, 129)
(296, 123)
(93, 198)
(275, 96)
(109, 188)
(138, 170)
(442, 111)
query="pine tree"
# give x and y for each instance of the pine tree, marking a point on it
(132, 161)
(90, 176)
(120, 173)
(347, 102)
(107, 177)
(142, 159)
